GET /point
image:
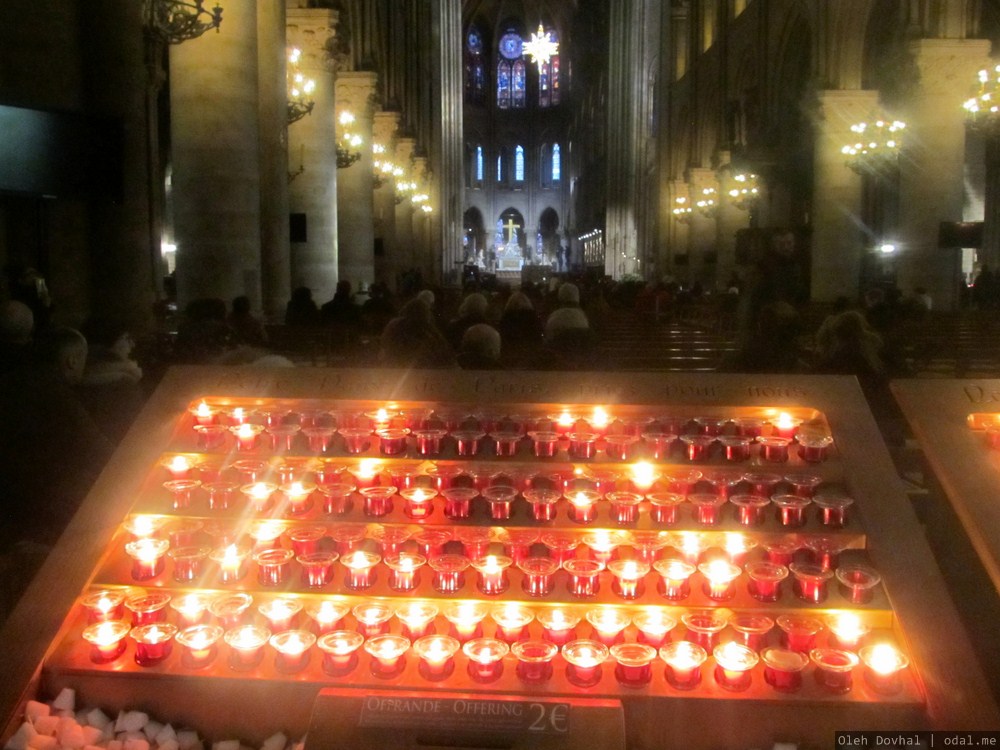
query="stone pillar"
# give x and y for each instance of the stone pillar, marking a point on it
(423, 255)
(312, 156)
(404, 258)
(703, 228)
(275, 258)
(446, 189)
(384, 130)
(730, 219)
(838, 242)
(216, 162)
(931, 184)
(678, 252)
(355, 230)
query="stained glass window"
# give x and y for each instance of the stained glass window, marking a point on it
(556, 163)
(554, 79)
(544, 97)
(519, 163)
(500, 167)
(475, 73)
(503, 84)
(519, 93)
(479, 163)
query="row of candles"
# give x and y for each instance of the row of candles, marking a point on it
(750, 641)
(500, 502)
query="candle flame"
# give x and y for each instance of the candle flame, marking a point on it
(418, 496)
(191, 604)
(720, 571)
(847, 626)
(260, 491)
(297, 489)
(581, 499)
(238, 414)
(368, 468)
(148, 550)
(292, 644)
(104, 604)
(736, 543)
(358, 560)
(199, 640)
(231, 555)
(643, 474)
(179, 463)
(326, 613)
(600, 418)
(690, 542)
(784, 421)
(382, 415)
(246, 638)
(629, 570)
(143, 526)
(684, 657)
(565, 419)
(885, 659)
(203, 410)
(245, 431)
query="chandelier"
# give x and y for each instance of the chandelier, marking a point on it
(384, 169)
(403, 189)
(176, 21)
(708, 203)
(682, 209)
(744, 191)
(982, 112)
(300, 102)
(349, 143)
(541, 47)
(876, 149)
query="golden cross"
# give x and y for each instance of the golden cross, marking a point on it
(510, 226)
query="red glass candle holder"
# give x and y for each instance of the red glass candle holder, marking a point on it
(220, 494)
(210, 436)
(327, 615)
(561, 546)
(105, 605)
(272, 565)
(584, 577)
(389, 539)
(737, 546)
(774, 449)
(357, 440)
(467, 442)
(799, 631)
(583, 505)
(188, 562)
(534, 660)
(458, 501)
(282, 436)
(764, 580)
(697, 447)
(485, 657)
(416, 618)
(203, 413)
(620, 447)
(781, 551)
(449, 572)
(298, 497)
(582, 444)
(512, 621)
(106, 639)
(761, 483)
(628, 578)
(517, 543)
(785, 425)
(419, 502)
(431, 542)
(558, 623)
(405, 571)
(543, 503)
(654, 626)
(340, 651)
(388, 654)
(750, 629)
(392, 441)
(682, 481)
(500, 500)
(814, 449)
(583, 659)
(634, 663)
(751, 510)
(153, 643)
(846, 631)
(366, 474)
(180, 466)
(436, 654)
(707, 507)
(492, 578)
(247, 436)
(803, 484)
(624, 507)
(429, 442)
(306, 540)
(664, 507)
(659, 444)
(683, 660)
(719, 579)
(259, 495)
(191, 609)
(475, 540)
(608, 624)
(144, 526)
(348, 538)
(317, 568)
(148, 557)
(735, 448)
(825, 551)
(810, 581)
(230, 609)
(378, 500)
(505, 443)
(734, 665)
(674, 578)
(360, 567)
(648, 545)
(250, 470)
(884, 668)
(198, 644)
(544, 443)
(372, 618)
(466, 618)
(783, 668)
(723, 483)
(703, 628)
(791, 509)
(833, 510)
(857, 583)
(328, 471)
(539, 575)
(246, 646)
(231, 561)
(834, 668)
(602, 545)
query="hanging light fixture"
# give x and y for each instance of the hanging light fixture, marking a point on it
(745, 190)
(876, 148)
(982, 111)
(708, 203)
(541, 48)
(349, 143)
(176, 21)
(300, 102)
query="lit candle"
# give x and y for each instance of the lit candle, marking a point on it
(373, 618)
(785, 425)
(634, 663)
(584, 577)
(783, 668)
(366, 474)
(539, 575)
(485, 658)
(105, 605)
(465, 618)
(272, 565)
(203, 413)
(684, 660)
(492, 578)
(799, 631)
(458, 501)
(609, 624)
(292, 647)
(360, 567)
(846, 630)
(405, 569)
(810, 581)
(435, 653)
(583, 661)
(179, 467)
(707, 507)
(733, 665)
(602, 544)
(259, 495)
(246, 436)
(378, 500)
(191, 609)
(143, 526)
(720, 579)
(387, 652)
(534, 659)
(564, 422)
(416, 618)
(703, 628)
(512, 621)
(299, 496)
(180, 491)
(501, 501)
(153, 643)
(106, 639)
(558, 624)
(691, 545)
(674, 578)
(834, 668)
(858, 583)
(340, 651)
(188, 562)
(737, 546)
(599, 420)
(419, 502)
(232, 563)
(654, 626)
(327, 615)
(750, 509)
(199, 646)
(147, 557)
(280, 613)
(884, 665)
(628, 577)
(246, 643)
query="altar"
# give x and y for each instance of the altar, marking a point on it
(510, 255)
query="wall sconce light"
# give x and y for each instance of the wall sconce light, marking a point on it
(349, 144)
(300, 89)
(176, 21)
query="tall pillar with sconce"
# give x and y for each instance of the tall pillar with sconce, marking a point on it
(931, 188)
(384, 127)
(312, 156)
(274, 245)
(732, 216)
(215, 131)
(425, 259)
(838, 242)
(678, 247)
(355, 229)
(703, 237)
(404, 257)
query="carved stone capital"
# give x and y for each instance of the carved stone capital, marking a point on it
(356, 92)
(384, 128)
(839, 109)
(950, 65)
(314, 31)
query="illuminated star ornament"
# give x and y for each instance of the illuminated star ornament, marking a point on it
(541, 47)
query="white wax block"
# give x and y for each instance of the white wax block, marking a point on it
(91, 735)
(152, 729)
(226, 745)
(43, 742)
(66, 700)
(34, 709)
(166, 734)
(19, 740)
(134, 721)
(97, 718)
(136, 743)
(187, 739)
(168, 745)
(46, 724)
(275, 742)
(120, 721)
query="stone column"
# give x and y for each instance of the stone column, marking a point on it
(838, 242)
(423, 255)
(404, 257)
(312, 156)
(384, 132)
(678, 251)
(731, 219)
(275, 258)
(446, 189)
(355, 230)
(931, 186)
(703, 228)
(216, 160)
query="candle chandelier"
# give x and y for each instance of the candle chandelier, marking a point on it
(176, 21)
(541, 48)
(403, 189)
(982, 111)
(349, 143)
(876, 148)
(300, 101)
(708, 203)
(383, 168)
(682, 209)
(744, 191)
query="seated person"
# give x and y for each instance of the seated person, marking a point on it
(480, 349)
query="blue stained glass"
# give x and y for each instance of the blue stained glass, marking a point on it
(499, 168)
(479, 163)
(520, 84)
(503, 84)
(519, 164)
(556, 163)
